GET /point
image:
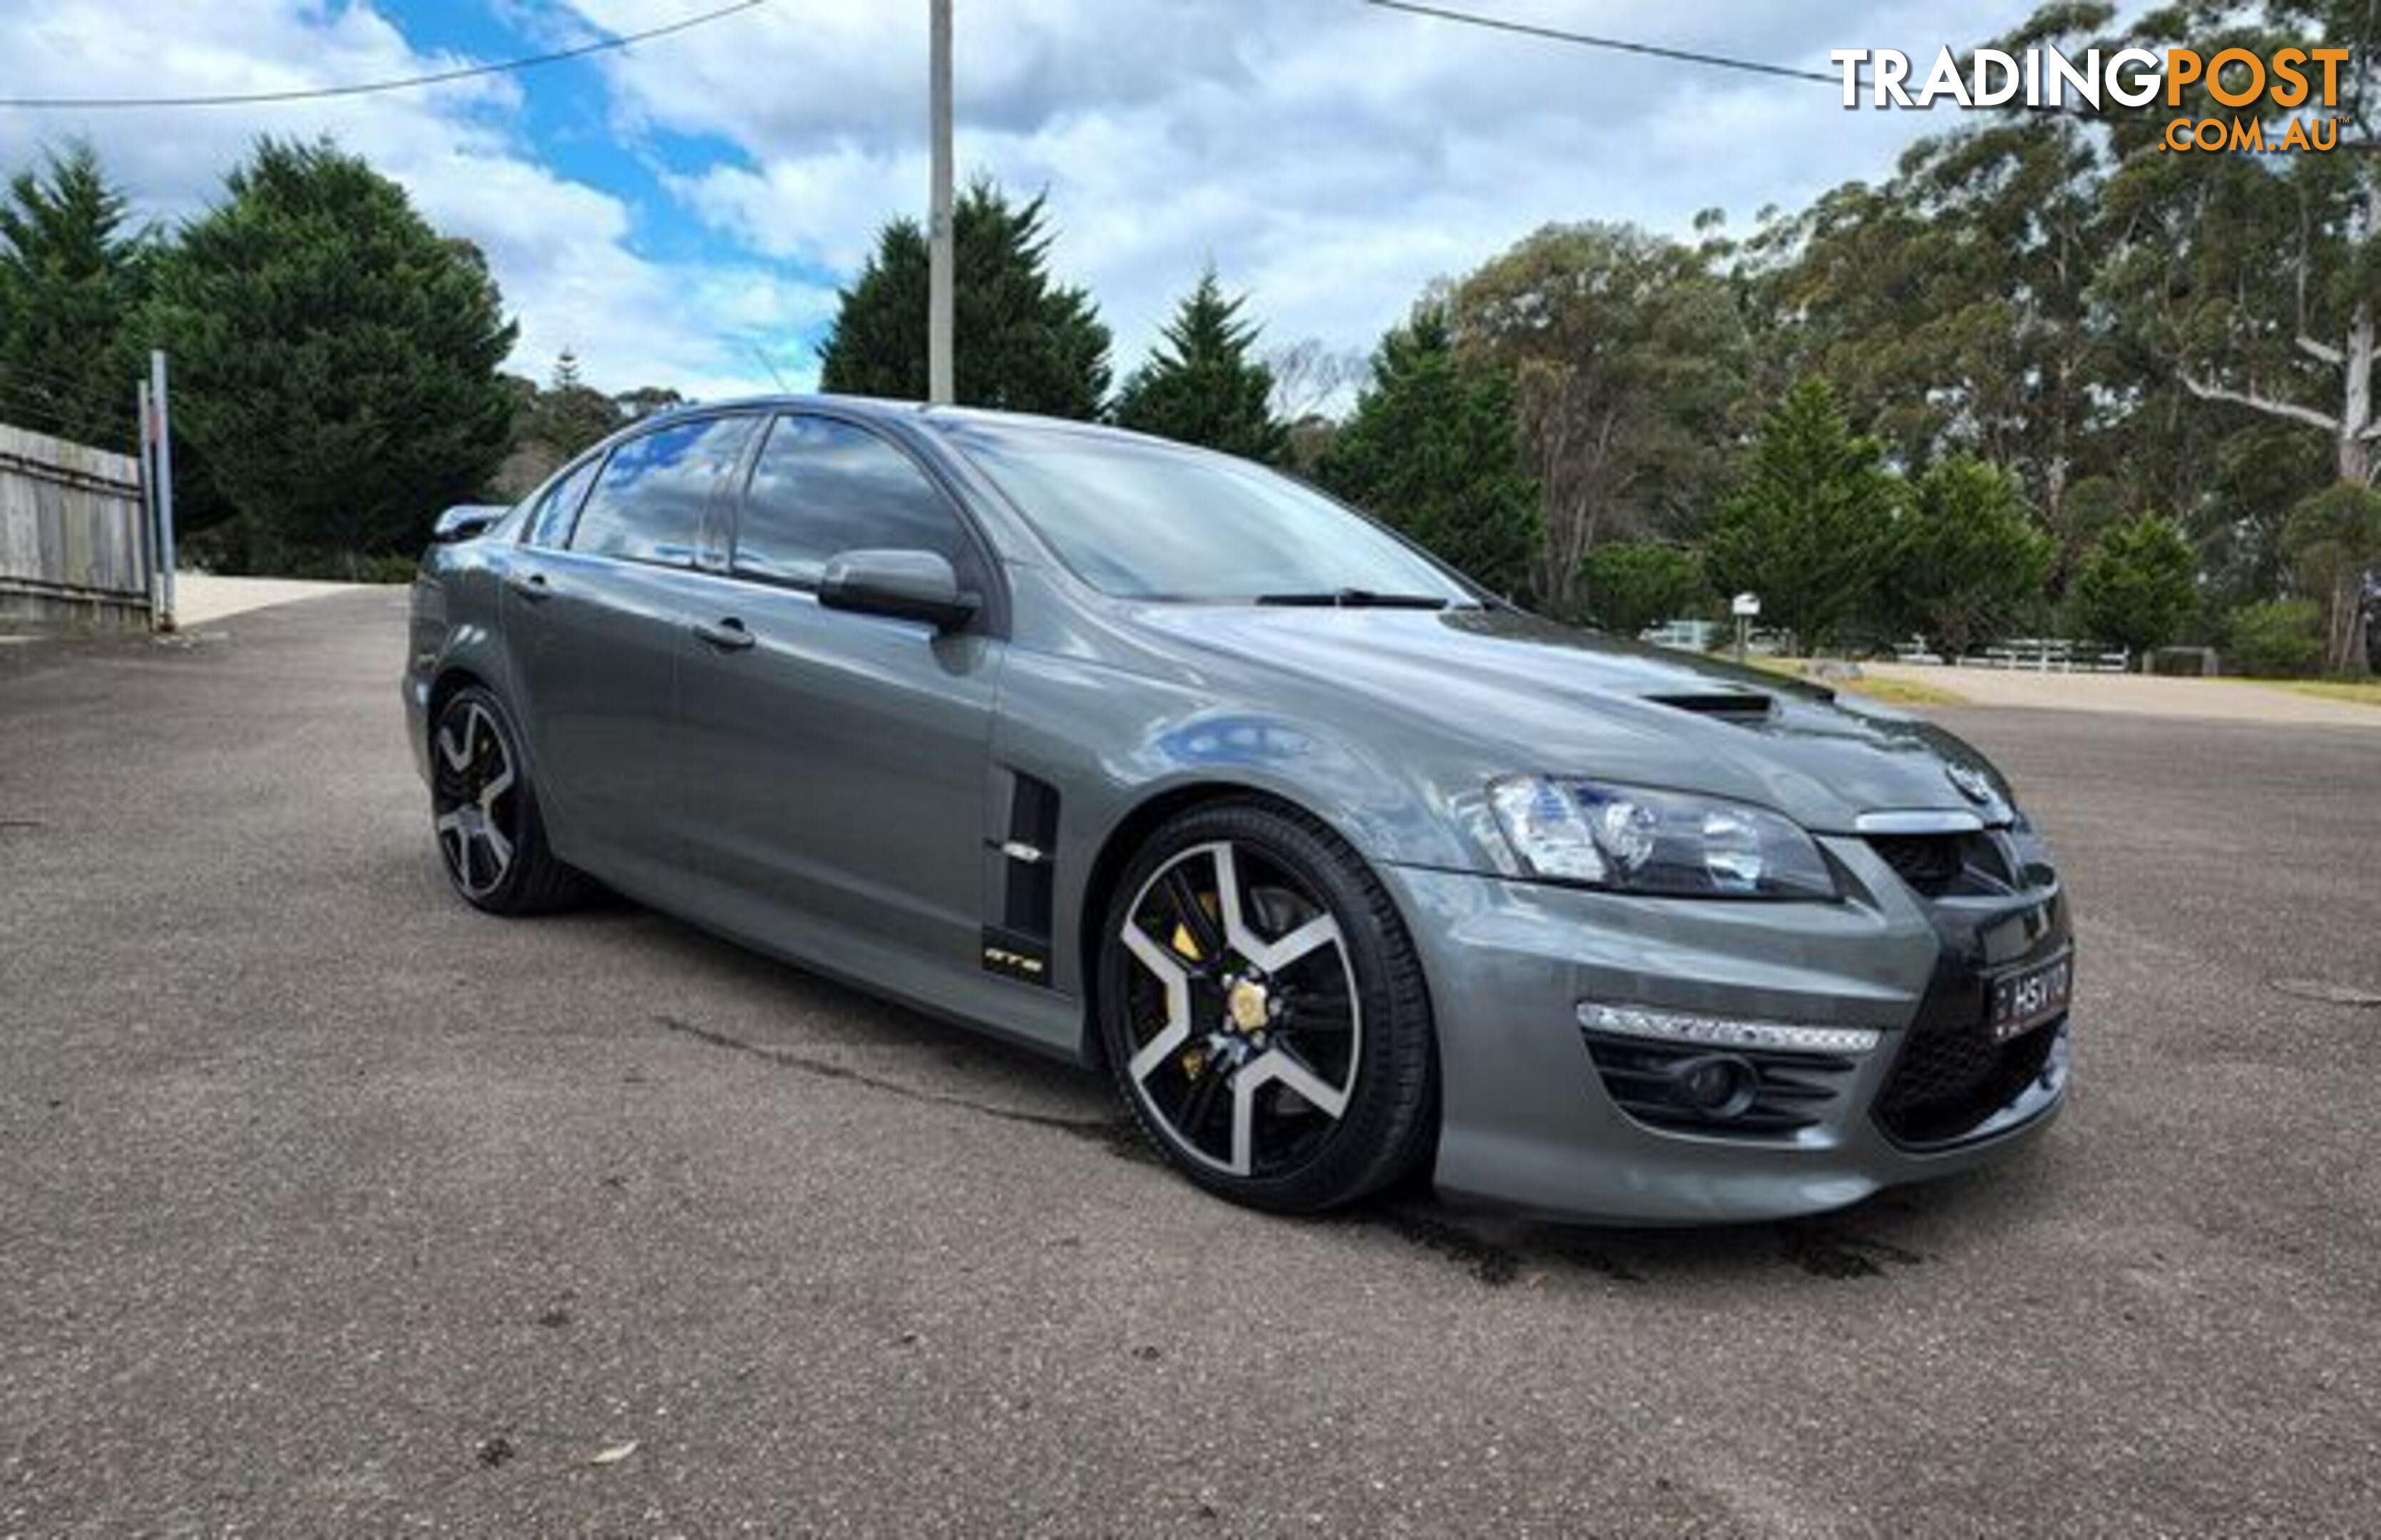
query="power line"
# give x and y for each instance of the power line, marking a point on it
(367, 88)
(1684, 56)
(1621, 46)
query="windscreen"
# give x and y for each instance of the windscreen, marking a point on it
(1147, 520)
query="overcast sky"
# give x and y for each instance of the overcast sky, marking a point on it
(681, 212)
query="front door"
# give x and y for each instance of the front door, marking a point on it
(835, 761)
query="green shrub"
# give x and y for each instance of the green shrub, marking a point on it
(2275, 639)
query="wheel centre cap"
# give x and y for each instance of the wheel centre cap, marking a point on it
(1249, 1005)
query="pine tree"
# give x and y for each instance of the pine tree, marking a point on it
(1020, 341)
(1204, 384)
(336, 359)
(2139, 584)
(71, 282)
(1431, 452)
(1811, 531)
(1966, 560)
(570, 414)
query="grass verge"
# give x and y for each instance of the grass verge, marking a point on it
(1894, 692)
(2363, 692)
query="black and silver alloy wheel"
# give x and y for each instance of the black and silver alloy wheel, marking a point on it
(1263, 1011)
(472, 801)
(1250, 1003)
(484, 811)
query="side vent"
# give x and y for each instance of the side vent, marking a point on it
(1018, 947)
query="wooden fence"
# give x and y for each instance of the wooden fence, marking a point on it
(74, 539)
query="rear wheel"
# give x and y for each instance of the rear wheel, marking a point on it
(485, 813)
(1263, 1010)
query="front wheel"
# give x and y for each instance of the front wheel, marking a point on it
(484, 812)
(1264, 1013)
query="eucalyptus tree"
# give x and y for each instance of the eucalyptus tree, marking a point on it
(1626, 354)
(2258, 276)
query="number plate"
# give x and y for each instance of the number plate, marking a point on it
(2024, 1000)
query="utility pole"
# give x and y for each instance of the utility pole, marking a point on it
(162, 456)
(939, 242)
(145, 441)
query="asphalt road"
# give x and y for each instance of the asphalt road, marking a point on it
(329, 1206)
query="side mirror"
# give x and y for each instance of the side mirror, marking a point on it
(911, 585)
(465, 521)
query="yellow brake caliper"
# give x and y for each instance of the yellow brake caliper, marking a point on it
(1194, 1058)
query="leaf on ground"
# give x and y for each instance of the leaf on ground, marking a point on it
(614, 1455)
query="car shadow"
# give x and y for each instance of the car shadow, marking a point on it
(994, 1077)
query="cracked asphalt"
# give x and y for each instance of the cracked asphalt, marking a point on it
(329, 1206)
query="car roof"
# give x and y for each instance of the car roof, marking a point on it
(885, 409)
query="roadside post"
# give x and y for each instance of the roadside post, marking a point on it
(1744, 607)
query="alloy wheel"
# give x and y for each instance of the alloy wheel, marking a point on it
(474, 799)
(1243, 1014)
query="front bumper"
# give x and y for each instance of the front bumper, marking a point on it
(1530, 1120)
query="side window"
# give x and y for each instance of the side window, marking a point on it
(550, 525)
(648, 504)
(824, 487)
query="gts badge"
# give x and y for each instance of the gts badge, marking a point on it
(1015, 957)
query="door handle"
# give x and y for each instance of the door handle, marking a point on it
(531, 587)
(728, 636)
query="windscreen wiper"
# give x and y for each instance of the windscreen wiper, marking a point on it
(1357, 598)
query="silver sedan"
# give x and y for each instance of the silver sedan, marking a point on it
(1156, 760)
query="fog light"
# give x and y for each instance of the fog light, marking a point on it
(1723, 1031)
(1720, 1085)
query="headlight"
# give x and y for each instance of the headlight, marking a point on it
(1657, 842)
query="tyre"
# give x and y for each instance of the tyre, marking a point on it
(484, 813)
(1263, 1010)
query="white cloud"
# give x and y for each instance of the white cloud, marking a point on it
(1332, 159)
(824, 208)
(563, 251)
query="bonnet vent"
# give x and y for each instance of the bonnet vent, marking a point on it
(1733, 705)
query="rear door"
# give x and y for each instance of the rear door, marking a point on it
(599, 601)
(835, 761)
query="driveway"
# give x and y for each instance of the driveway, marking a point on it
(202, 598)
(329, 1206)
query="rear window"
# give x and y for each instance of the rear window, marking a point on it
(650, 502)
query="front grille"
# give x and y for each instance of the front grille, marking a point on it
(1792, 1092)
(1950, 1078)
(1941, 865)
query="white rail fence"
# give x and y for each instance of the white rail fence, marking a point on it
(73, 533)
(2037, 655)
